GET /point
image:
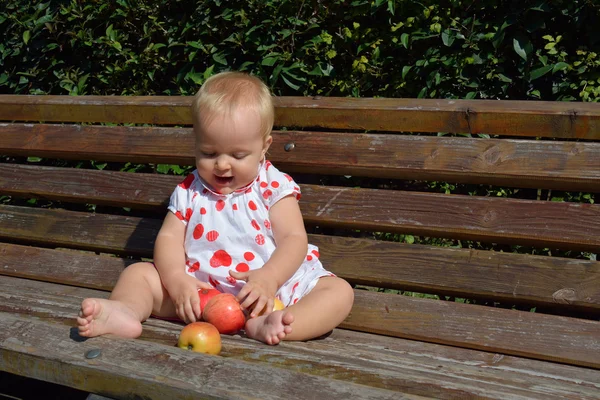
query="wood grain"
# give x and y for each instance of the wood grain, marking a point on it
(549, 164)
(425, 369)
(551, 338)
(553, 282)
(488, 219)
(543, 337)
(506, 117)
(131, 368)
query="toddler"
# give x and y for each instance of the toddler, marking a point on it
(234, 224)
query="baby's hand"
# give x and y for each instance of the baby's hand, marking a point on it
(183, 291)
(258, 292)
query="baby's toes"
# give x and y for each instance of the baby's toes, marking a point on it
(274, 340)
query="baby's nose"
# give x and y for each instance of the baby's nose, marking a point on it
(222, 164)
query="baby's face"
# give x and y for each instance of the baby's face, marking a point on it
(229, 150)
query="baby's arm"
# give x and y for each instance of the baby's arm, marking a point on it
(169, 258)
(291, 247)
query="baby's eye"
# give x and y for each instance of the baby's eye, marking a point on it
(239, 156)
(206, 154)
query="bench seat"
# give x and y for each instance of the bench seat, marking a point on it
(464, 325)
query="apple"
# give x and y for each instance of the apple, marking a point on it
(200, 337)
(205, 295)
(277, 305)
(225, 313)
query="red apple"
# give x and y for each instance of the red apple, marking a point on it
(200, 337)
(225, 313)
(205, 295)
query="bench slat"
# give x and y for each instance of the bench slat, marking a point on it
(551, 338)
(442, 372)
(510, 278)
(519, 333)
(525, 222)
(45, 351)
(419, 368)
(507, 117)
(573, 165)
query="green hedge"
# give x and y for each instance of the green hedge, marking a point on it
(397, 48)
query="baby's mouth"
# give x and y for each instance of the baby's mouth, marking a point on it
(223, 180)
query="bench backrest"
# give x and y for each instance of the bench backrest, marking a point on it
(363, 178)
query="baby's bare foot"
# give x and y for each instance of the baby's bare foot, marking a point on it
(101, 316)
(270, 329)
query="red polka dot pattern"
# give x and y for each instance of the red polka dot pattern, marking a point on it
(213, 282)
(260, 239)
(220, 205)
(198, 231)
(194, 267)
(220, 259)
(248, 256)
(187, 182)
(212, 236)
(242, 267)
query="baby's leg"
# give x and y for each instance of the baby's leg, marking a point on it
(317, 313)
(137, 294)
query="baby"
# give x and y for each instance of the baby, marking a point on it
(234, 224)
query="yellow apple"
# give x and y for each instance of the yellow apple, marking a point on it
(200, 337)
(277, 305)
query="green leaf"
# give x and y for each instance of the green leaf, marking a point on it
(3, 79)
(404, 39)
(448, 38)
(163, 168)
(498, 38)
(504, 78)
(290, 84)
(522, 46)
(26, 36)
(218, 57)
(538, 73)
(405, 70)
(559, 66)
(34, 159)
(269, 61)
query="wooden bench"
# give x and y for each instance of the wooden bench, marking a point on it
(478, 340)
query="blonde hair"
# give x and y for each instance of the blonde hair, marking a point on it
(227, 92)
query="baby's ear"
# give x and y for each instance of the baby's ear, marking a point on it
(267, 144)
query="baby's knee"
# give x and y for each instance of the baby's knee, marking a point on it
(140, 270)
(343, 290)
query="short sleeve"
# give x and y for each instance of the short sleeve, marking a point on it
(276, 185)
(180, 203)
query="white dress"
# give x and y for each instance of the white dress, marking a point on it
(233, 231)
